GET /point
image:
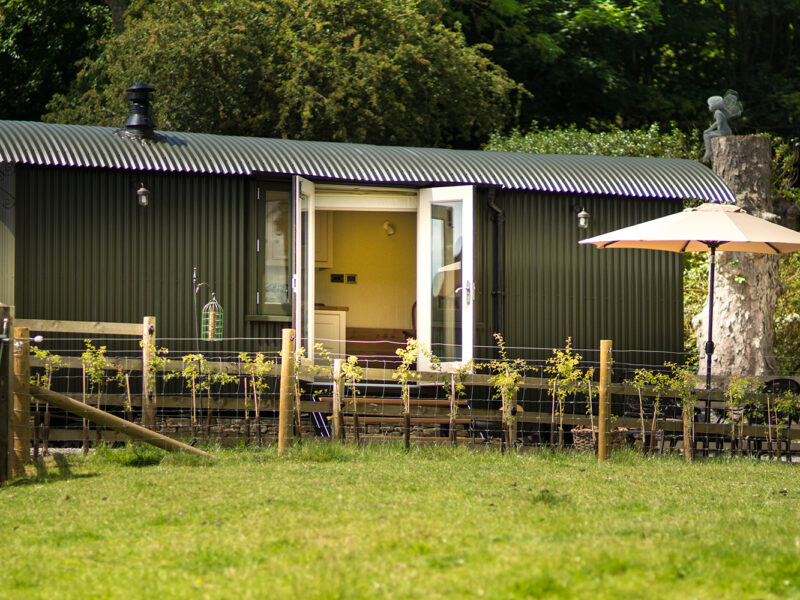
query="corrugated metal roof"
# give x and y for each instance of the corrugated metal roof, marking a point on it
(85, 146)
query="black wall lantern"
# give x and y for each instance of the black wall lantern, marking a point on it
(143, 195)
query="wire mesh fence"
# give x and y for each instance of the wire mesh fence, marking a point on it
(232, 398)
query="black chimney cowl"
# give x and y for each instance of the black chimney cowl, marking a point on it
(140, 123)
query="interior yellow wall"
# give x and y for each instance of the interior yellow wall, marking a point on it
(385, 266)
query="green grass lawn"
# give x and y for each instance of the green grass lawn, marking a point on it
(328, 521)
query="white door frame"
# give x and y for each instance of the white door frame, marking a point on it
(303, 265)
(464, 194)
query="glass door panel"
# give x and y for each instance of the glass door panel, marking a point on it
(304, 253)
(275, 295)
(445, 263)
(446, 280)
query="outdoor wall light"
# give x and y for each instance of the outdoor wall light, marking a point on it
(583, 217)
(143, 195)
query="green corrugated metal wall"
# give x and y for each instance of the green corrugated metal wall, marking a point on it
(555, 288)
(87, 251)
(7, 231)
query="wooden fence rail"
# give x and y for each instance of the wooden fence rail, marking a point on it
(113, 422)
(433, 411)
(82, 327)
(337, 410)
(427, 408)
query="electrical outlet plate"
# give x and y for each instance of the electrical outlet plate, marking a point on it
(351, 278)
(337, 278)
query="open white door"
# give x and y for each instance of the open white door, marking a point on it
(445, 273)
(303, 278)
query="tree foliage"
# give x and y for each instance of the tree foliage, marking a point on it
(594, 63)
(41, 42)
(648, 141)
(634, 62)
(353, 71)
(575, 57)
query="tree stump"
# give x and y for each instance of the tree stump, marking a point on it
(747, 285)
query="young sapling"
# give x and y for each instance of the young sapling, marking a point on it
(455, 388)
(403, 374)
(52, 363)
(506, 377)
(659, 384)
(156, 365)
(738, 391)
(567, 379)
(95, 364)
(787, 406)
(683, 381)
(257, 368)
(353, 374)
(198, 377)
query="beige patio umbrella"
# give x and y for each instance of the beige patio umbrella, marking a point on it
(706, 228)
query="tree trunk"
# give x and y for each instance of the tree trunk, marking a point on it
(747, 285)
(118, 8)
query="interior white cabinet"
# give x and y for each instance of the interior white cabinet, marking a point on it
(330, 330)
(323, 247)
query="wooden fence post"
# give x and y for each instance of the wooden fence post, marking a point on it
(513, 426)
(451, 432)
(406, 426)
(287, 390)
(6, 387)
(604, 403)
(688, 445)
(148, 396)
(337, 424)
(21, 413)
(84, 423)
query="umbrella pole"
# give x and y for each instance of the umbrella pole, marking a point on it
(709, 343)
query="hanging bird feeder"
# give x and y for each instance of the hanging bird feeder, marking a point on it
(212, 321)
